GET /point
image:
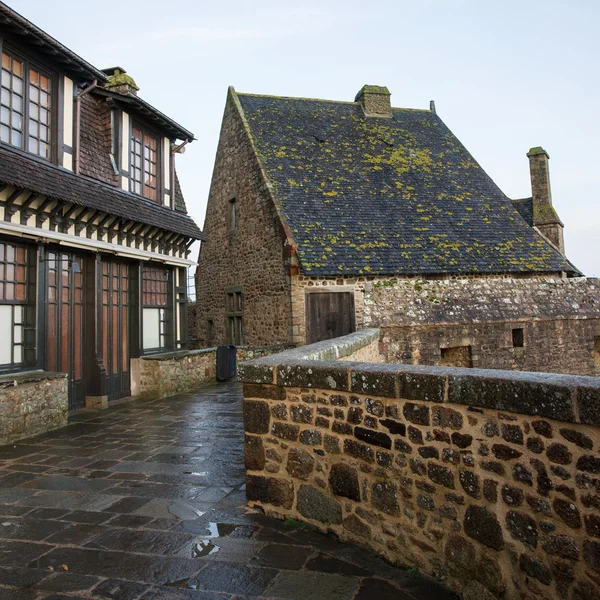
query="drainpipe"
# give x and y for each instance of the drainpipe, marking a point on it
(81, 93)
(175, 150)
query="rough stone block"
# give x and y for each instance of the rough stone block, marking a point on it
(254, 453)
(343, 480)
(313, 504)
(483, 526)
(384, 497)
(257, 416)
(313, 374)
(270, 490)
(526, 393)
(300, 463)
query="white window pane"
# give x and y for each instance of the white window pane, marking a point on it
(5, 334)
(151, 327)
(18, 354)
(18, 333)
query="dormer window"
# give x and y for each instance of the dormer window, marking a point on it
(25, 106)
(144, 163)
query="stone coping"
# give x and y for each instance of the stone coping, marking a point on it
(15, 379)
(327, 350)
(177, 354)
(569, 398)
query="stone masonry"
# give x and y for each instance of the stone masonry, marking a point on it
(252, 257)
(559, 319)
(32, 403)
(487, 479)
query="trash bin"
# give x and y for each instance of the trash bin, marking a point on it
(226, 362)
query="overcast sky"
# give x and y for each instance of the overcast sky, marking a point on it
(505, 76)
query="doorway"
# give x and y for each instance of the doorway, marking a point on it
(115, 328)
(64, 321)
(329, 315)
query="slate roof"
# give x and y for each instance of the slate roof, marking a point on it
(24, 172)
(524, 207)
(138, 105)
(384, 196)
(179, 200)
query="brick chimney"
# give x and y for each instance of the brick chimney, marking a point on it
(375, 100)
(119, 81)
(545, 218)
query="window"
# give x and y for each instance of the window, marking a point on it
(232, 215)
(155, 289)
(597, 352)
(25, 106)
(235, 310)
(144, 164)
(518, 339)
(210, 335)
(13, 291)
(459, 356)
(156, 306)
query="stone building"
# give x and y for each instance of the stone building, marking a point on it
(94, 234)
(317, 207)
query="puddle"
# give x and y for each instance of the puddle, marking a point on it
(197, 473)
(204, 548)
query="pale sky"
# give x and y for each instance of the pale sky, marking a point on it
(505, 76)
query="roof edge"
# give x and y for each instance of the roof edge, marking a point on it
(355, 102)
(48, 39)
(231, 93)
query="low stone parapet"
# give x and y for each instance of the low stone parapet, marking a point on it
(32, 403)
(487, 479)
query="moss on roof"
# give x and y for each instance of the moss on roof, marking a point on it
(401, 195)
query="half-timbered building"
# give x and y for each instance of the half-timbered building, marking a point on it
(94, 234)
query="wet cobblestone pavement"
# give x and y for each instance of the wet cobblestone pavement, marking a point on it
(146, 501)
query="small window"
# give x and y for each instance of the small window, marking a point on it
(459, 356)
(25, 106)
(144, 164)
(232, 215)
(235, 317)
(597, 352)
(518, 339)
(210, 332)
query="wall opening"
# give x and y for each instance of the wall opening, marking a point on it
(597, 352)
(458, 356)
(518, 338)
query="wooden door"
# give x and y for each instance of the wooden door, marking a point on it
(329, 315)
(115, 328)
(64, 321)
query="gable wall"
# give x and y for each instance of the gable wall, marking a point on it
(251, 257)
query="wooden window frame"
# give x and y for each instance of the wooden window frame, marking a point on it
(24, 305)
(28, 65)
(234, 315)
(167, 319)
(145, 132)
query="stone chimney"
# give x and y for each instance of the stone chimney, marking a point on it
(375, 100)
(545, 218)
(119, 81)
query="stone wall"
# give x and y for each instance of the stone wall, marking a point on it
(487, 479)
(32, 403)
(560, 319)
(252, 255)
(161, 375)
